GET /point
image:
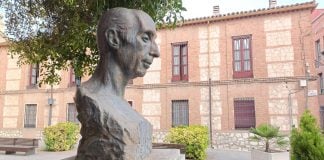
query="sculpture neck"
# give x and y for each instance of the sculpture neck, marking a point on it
(109, 76)
(117, 79)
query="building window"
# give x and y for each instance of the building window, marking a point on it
(318, 53)
(130, 103)
(72, 113)
(242, 57)
(321, 79)
(179, 62)
(322, 117)
(34, 74)
(180, 113)
(244, 113)
(130, 82)
(30, 116)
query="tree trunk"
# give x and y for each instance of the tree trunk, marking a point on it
(267, 146)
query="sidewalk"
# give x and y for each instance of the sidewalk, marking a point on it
(40, 155)
(212, 154)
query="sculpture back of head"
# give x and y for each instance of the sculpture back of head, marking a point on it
(125, 38)
(122, 20)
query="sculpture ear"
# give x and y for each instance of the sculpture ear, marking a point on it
(112, 38)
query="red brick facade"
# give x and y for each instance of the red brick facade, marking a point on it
(281, 52)
(318, 31)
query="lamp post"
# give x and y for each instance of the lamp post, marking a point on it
(50, 102)
(290, 110)
(78, 81)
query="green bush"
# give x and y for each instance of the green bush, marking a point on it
(307, 142)
(268, 134)
(61, 137)
(195, 138)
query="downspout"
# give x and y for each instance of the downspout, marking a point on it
(209, 88)
(227, 78)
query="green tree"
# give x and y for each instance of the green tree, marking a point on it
(307, 143)
(268, 134)
(58, 34)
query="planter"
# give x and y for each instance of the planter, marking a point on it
(261, 155)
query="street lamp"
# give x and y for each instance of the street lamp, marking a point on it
(50, 102)
(78, 81)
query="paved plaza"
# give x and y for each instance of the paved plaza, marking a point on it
(44, 155)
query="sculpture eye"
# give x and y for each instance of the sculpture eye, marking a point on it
(145, 38)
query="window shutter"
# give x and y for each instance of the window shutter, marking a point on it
(72, 113)
(180, 112)
(322, 117)
(184, 62)
(244, 114)
(30, 116)
(176, 63)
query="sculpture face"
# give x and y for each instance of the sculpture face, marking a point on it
(138, 51)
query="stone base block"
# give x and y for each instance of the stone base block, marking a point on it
(158, 154)
(166, 154)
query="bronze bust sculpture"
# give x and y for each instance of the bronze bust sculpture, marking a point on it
(111, 129)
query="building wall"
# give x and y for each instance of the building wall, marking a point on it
(318, 30)
(281, 47)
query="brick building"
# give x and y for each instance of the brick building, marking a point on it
(318, 30)
(229, 72)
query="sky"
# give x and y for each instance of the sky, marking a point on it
(203, 8)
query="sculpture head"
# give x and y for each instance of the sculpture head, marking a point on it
(127, 36)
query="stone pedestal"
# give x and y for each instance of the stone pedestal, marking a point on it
(166, 154)
(157, 154)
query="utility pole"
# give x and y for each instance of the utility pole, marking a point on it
(307, 81)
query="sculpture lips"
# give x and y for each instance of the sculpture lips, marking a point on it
(147, 64)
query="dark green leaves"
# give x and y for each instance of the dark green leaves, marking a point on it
(307, 142)
(57, 33)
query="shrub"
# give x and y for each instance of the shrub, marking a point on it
(195, 138)
(307, 142)
(268, 134)
(61, 137)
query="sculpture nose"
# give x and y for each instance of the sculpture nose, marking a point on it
(154, 51)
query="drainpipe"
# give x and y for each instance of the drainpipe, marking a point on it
(209, 88)
(210, 115)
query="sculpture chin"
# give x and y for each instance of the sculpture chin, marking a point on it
(140, 73)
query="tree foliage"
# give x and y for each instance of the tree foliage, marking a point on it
(307, 142)
(268, 134)
(58, 34)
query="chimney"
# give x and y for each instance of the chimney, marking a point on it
(272, 3)
(216, 10)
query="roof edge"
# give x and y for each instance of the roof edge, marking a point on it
(256, 12)
(4, 44)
